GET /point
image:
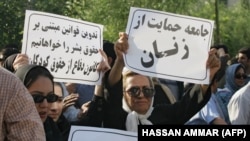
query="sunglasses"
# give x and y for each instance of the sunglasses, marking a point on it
(136, 91)
(38, 98)
(239, 76)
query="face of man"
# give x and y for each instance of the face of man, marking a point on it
(243, 59)
(140, 103)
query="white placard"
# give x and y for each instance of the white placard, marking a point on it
(84, 133)
(169, 46)
(67, 47)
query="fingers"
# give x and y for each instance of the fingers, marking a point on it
(85, 107)
(71, 87)
(70, 99)
(86, 104)
(66, 105)
(213, 63)
(123, 35)
(122, 44)
(103, 65)
(103, 54)
(20, 60)
(213, 50)
(213, 60)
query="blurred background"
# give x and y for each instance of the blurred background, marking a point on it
(231, 17)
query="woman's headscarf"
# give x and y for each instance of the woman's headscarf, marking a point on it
(230, 77)
(134, 118)
(29, 73)
(8, 62)
(64, 89)
(225, 94)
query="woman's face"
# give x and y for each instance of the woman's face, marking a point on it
(56, 107)
(140, 104)
(240, 80)
(42, 86)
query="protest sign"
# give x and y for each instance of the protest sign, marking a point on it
(168, 45)
(80, 133)
(67, 47)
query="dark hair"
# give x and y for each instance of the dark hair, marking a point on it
(29, 74)
(246, 51)
(6, 52)
(108, 48)
(218, 46)
(239, 67)
(63, 88)
(11, 45)
(233, 60)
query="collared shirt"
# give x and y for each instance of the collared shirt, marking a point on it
(19, 119)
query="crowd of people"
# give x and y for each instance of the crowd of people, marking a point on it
(35, 107)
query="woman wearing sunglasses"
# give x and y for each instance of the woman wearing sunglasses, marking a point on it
(131, 96)
(235, 78)
(39, 82)
(57, 108)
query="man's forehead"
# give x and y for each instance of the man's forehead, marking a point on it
(241, 55)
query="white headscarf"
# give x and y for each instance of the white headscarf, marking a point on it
(133, 118)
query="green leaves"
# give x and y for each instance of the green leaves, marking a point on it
(113, 14)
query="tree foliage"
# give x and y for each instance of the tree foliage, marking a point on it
(11, 21)
(113, 14)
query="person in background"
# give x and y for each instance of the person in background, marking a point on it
(83, 92)
(58, 107)
(235, 79)
(176, 87)
(63, 103)
(14, 61)
(211, 113)
(94, 110)
(164, 92)
(244, 59)
(6, 52)
(72, 113)
(91, 110)
(19, 119)
(12, 45)
(223, 54)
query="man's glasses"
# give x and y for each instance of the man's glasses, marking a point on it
(239, 76)
(38, 98)
(136, 91)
